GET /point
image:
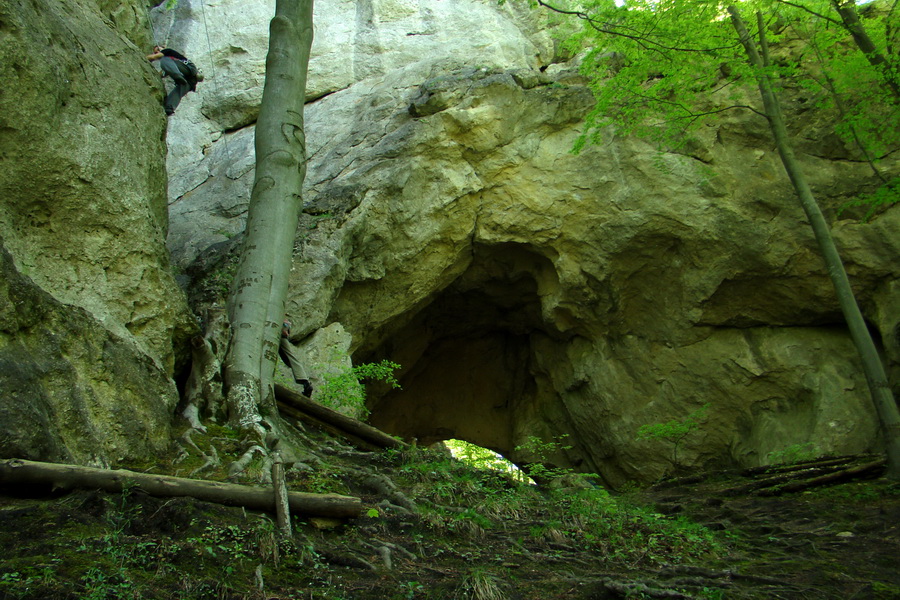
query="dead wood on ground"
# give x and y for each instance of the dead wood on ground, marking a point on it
(872, 469)
(17, 471)
(298, 406)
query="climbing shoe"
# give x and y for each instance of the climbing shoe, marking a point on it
(307, 387)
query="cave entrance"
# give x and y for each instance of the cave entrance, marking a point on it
(485, 458)
(468, 368)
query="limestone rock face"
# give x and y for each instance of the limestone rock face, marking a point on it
(83, 219)
(528, 291)
(380, 49)
(72, 390)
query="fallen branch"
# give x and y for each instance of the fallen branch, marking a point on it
(282, 508)
(17, 471)
(819, 462)
(293, 403)
(775, 480)
(871, 469)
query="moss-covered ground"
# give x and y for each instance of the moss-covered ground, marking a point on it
(470, 534)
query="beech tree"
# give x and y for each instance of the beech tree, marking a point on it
(256, 304)
(651, 62)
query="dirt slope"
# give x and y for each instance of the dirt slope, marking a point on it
(434, 528)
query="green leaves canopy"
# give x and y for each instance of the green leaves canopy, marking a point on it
(658, 68)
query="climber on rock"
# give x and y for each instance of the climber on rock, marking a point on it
(288, 353)
(182, 71)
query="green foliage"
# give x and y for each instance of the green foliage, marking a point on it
(674, 431)
(171, 4)
(794, 453)
(885, 591)
(410, 590)
(651, 66)
(887, 194)
(541, 468)
(660, 68)
(343, 390)
(483, 458)
(322, 481)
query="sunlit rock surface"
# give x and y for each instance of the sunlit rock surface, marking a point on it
(526, 291)
(93, 324)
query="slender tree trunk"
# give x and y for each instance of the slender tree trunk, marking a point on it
(850, 18)
(256, 305)
(876, 377)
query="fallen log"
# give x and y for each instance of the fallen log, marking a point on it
(347, 426)
(872, 469)
(18, 471)
(775, 480)
(809, 464)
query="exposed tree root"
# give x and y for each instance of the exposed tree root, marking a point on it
(212, 461)
(388, 506)
(203, 390)
(241, 464)
(383, 486)
(637, 589)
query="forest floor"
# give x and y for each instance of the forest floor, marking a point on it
(433, 527)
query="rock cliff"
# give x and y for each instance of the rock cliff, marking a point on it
(526, 291)
(93, 323)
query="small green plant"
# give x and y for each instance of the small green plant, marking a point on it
(316, 219)
(541, 468)
(410, 589)
(794, 453)
(480, 584)
(344, 391)
(674, 431)
(483, 458)
(99, 585)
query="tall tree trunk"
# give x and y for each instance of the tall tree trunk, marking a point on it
(256, 305)
(876, 377)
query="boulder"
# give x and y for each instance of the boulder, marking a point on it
(73, 391)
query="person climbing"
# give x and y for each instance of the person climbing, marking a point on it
(288, 353)
(182, 71)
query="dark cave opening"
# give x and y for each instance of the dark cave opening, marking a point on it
(467, 357)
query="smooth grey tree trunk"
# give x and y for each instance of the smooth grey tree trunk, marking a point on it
(256, 304)
(876, 377)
